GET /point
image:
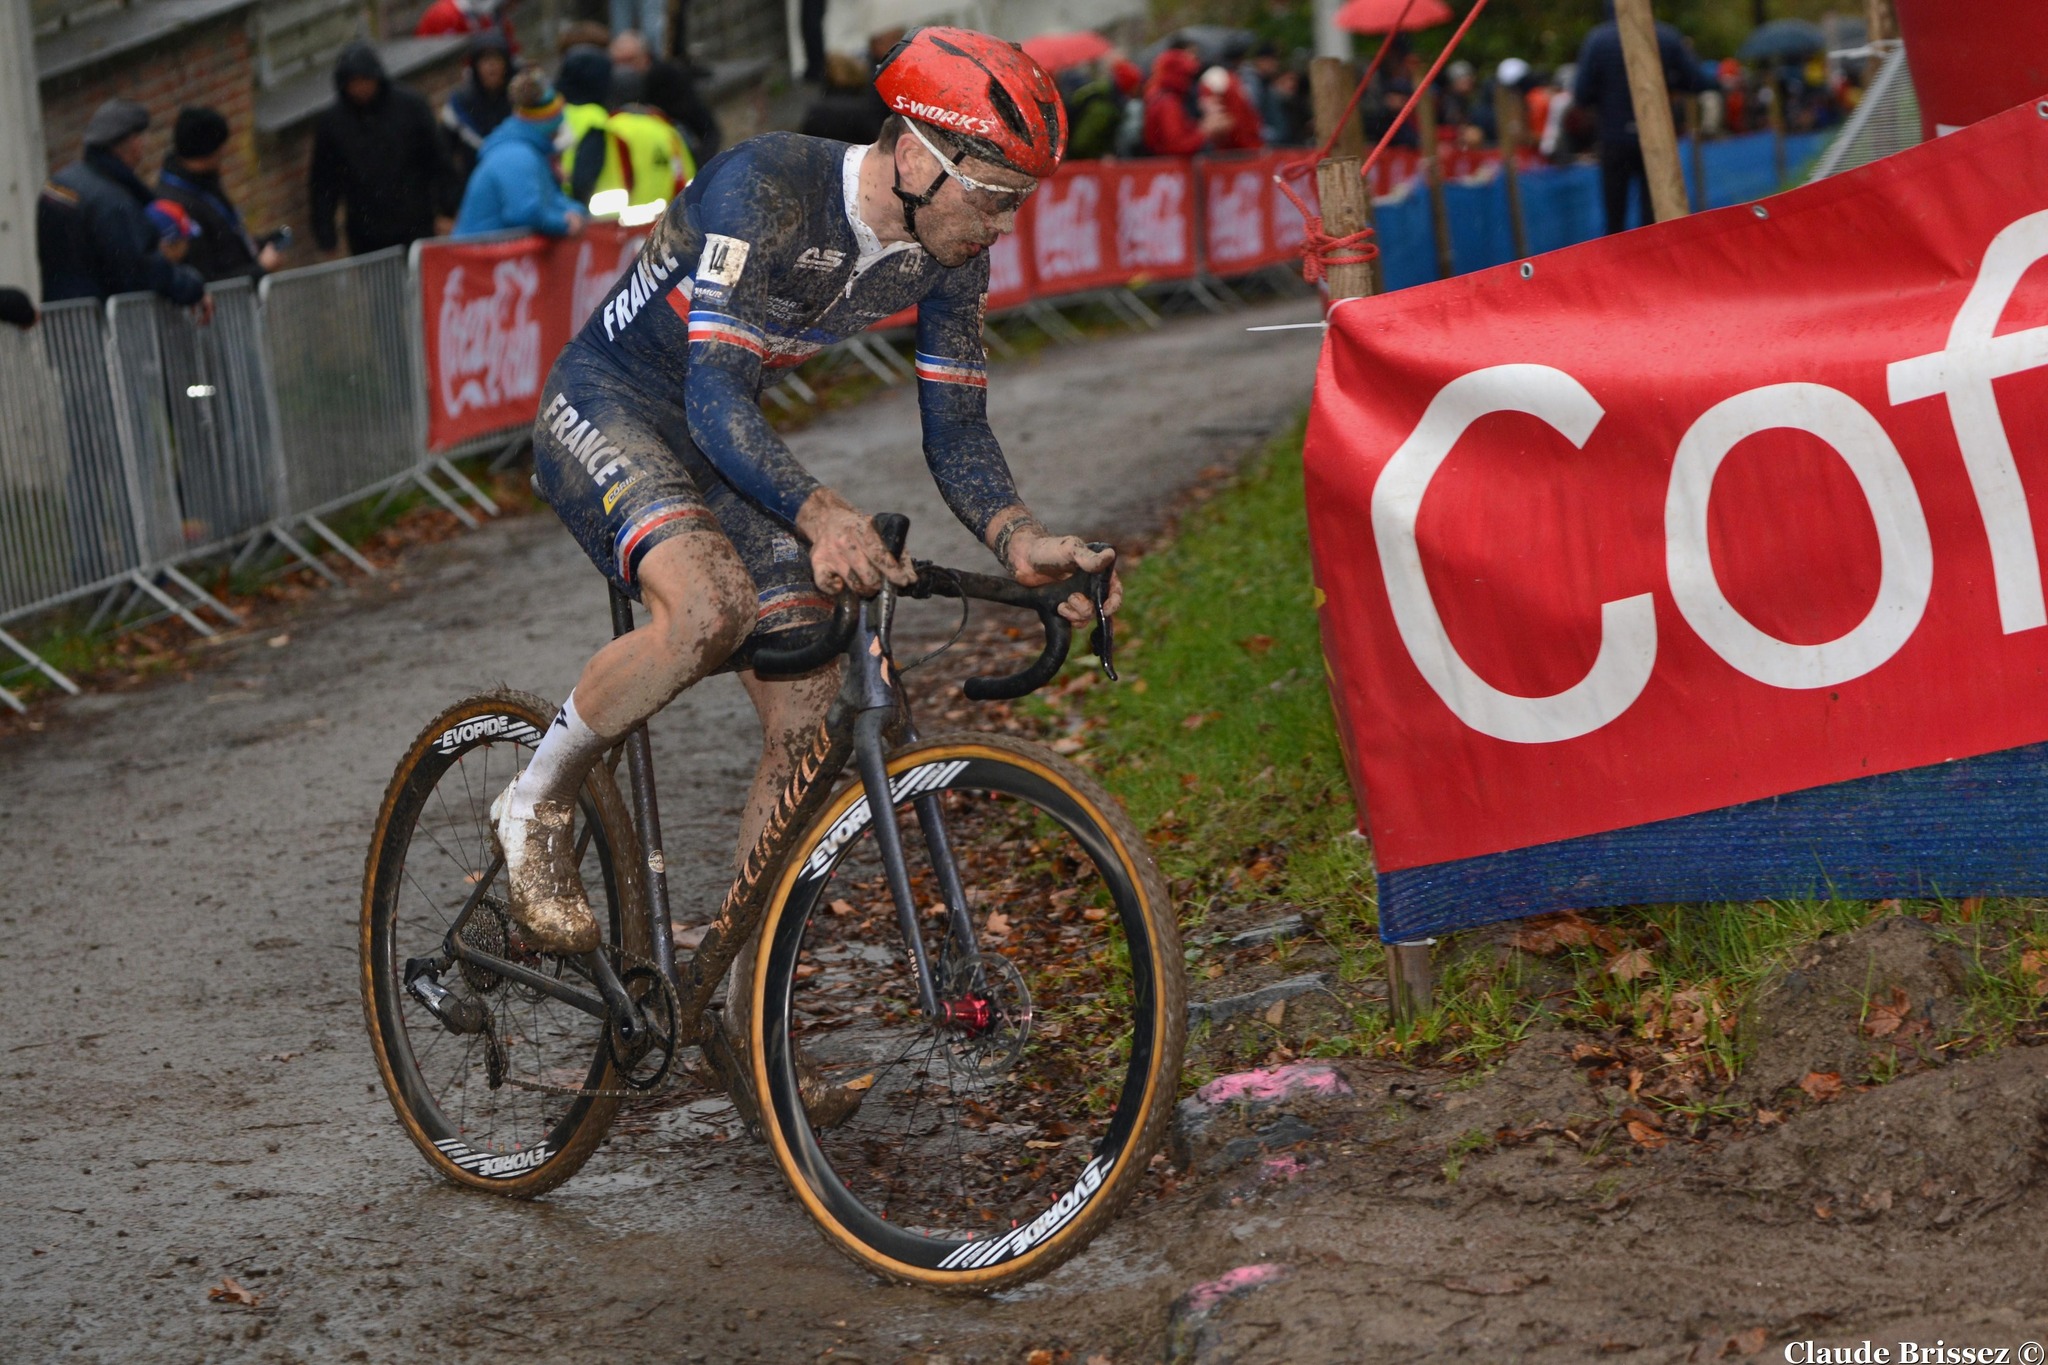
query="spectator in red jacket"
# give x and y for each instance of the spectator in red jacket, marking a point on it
(466, 16)
(1180, 118)
(1221, 88)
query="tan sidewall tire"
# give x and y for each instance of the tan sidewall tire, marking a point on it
(1162, 1082)
(618, 828)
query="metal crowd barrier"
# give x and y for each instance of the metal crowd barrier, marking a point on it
(135, 441)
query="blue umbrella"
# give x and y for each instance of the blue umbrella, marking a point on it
(1783, 40)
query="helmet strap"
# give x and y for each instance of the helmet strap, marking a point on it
(913, 202)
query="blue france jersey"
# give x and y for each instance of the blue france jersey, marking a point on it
(762, 262)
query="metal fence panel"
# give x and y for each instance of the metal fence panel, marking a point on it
(200, 411)
(66, 519)
(1886, 121)
(340, 341)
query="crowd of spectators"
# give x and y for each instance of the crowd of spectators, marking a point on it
(386, 168)
(621, 122)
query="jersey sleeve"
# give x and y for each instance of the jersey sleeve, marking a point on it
(952, 399)
(748, 233)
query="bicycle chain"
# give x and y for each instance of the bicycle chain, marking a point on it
(627, 960)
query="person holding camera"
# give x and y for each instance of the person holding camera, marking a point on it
(222, 248)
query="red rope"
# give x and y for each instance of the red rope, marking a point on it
(1318, 246)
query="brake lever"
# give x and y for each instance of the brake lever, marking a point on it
(1102, 644)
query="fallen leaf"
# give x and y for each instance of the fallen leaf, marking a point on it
(1766, 1118)
(1877, 1201)
(1630, 964)
(1969, 906)
(229, 1291)
(1261, 870)
(1821, 1086)
(1039, 1357)
(1490, 1285)
(1823, 1211)
(1747, 1342)
(1884, 1017)
(841, 908)
(1200, 718)
(278, 641)
(1068, 745)
(997, 925)
(860, 1083)
(1095, 914)
(806, 970)
(1255, 644)
(1276, 1012)
(1645, 1136)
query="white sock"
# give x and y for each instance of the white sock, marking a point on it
(564, 755)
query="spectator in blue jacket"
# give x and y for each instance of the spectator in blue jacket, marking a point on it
(1602, 89)
(93, 233)
(515, 185)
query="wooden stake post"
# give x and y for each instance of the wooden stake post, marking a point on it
(1330, 83)
(1507, 117)
(1433, 177)
(1653, 108)
(1347, 208)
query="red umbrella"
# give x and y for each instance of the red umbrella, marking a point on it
(1058, 51)
(1377, 16)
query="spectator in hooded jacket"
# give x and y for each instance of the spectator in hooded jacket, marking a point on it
(94, 237)
(476, 107)
(514, 186)
(445, 17)
(223, 249)
(376, 152)
(1178, 121)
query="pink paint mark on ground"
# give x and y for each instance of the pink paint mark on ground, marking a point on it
(1282, 1168)
(1244, 1279)
(1265, 1085)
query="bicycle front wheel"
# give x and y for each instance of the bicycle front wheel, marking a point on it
(984, 1145)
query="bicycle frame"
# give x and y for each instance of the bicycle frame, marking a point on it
(869, 716)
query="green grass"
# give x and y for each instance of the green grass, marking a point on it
(1221, 744)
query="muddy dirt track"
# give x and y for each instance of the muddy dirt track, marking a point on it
(188, 1093)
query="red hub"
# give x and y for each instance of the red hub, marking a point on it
(971, 1014)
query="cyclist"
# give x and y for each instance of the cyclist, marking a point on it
(652, 449)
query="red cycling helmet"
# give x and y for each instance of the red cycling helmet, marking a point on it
(988, 94)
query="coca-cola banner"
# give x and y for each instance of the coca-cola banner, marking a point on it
(1101, 224)
(494, 315)
(1247, 223)
(1669, 568)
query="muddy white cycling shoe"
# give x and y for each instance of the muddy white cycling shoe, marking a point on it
(544, 893)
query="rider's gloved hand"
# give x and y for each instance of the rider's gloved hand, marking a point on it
(845, 551)
(1035, 557)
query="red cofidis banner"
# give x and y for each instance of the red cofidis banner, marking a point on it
(1728, 508)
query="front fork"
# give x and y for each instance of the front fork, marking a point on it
(880, 703)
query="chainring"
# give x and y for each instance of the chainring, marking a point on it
(649, 989)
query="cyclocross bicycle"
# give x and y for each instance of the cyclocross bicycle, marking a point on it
(962, 1047)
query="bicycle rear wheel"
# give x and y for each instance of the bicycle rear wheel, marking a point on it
(506, 1108)
(984, 1150)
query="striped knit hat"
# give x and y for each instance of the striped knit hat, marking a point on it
(533, 99)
